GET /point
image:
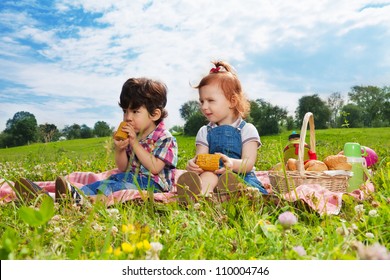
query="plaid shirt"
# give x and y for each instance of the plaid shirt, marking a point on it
(161, 144)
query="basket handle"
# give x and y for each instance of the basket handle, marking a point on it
(309, 118)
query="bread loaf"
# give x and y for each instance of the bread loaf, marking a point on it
(292, 164)
(119, 134)
(337, 162)
(208, 162)
(315, 165)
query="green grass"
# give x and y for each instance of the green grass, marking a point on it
(242, 228)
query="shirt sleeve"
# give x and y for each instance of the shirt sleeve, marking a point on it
(166, 149)
(249, 133)
(201, 137)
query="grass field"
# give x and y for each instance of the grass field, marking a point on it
(239, 229)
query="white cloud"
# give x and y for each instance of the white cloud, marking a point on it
(175, 41)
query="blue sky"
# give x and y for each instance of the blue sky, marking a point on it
(65, 61)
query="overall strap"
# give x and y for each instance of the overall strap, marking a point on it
(242, 124)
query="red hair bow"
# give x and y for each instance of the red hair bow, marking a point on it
(215, 70)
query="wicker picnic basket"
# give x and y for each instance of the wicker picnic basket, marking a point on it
(285, 181)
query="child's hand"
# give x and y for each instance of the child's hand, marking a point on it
(129, 129)
(192, 166)
(227, 162)
(121, 145)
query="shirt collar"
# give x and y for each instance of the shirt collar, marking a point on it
(236, 123)
(157, 132)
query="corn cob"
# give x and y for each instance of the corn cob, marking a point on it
(208, 162)
(119, 134)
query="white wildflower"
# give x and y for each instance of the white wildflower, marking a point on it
(359, 209)
(114, 230)
(56, 230)
(153, 252)
(113, 213)
(97, 227)
(374, 252)
(287, 219)
(370, 235)
(197, 206)
(56, 218)
(373, 213)
(354, 226)
(300, 250)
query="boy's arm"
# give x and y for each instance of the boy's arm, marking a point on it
(121, 159)
(149, 161)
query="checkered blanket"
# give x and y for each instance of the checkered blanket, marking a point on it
(315, 196)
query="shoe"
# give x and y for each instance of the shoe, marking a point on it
(227, 183)
(188, 187)
(64, 190)
(27, 189)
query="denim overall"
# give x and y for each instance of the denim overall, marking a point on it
(226, 139)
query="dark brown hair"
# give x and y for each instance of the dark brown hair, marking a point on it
(138, 92)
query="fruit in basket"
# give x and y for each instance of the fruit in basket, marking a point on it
(315, 165)
(337, 162)
(208, 162)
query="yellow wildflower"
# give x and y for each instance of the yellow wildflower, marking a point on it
(127, 228)
(117, 252)
(127, 247)
(109, 250)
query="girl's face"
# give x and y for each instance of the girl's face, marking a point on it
(214, 105)
(141, 121)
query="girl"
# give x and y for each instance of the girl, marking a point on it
(225, 106)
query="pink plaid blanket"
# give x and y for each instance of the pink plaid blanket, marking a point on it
(317, 197)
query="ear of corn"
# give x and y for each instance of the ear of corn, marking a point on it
(208, 162)
(119, 134)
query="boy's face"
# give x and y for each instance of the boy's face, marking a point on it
(140, 119)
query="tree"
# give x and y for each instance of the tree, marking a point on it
(335, 103)
(351, 116)
(386, 106)
(102, 129)
(72, 132)
(188, 109)
(194, 123)
(86, 132)
(46, 132)
(5, 140)
(315, 105)
(290, 124)
(266, 117)
(22, 128)
(371, 100)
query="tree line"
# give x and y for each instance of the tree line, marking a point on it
(23, 129)
(367, 106)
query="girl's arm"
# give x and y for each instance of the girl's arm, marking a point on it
(246, 162)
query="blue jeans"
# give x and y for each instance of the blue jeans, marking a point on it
(121, 181)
